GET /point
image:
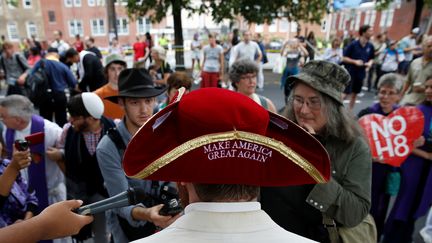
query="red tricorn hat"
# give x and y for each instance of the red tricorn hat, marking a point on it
(217, 136)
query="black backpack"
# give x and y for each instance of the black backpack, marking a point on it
(37, 85)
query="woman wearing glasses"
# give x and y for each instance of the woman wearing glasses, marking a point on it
(316, 104)
(385, 178)
(243, 76)
(414, 198)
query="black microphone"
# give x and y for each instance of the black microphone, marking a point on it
(132, 196)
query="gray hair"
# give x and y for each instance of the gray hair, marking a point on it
(340, 123)
(392, 80)
(18, 105)
(426, 39)
(239, 68)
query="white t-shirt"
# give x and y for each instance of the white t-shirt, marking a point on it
(244, 51)
(212, 58)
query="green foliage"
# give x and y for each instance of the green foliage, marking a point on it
(12, 2)
(253, 11)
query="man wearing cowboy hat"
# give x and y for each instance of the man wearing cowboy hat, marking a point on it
(137, 97)
(220, 164)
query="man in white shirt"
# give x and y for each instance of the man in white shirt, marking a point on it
(59, 43)
(220, 163)
(248, 49)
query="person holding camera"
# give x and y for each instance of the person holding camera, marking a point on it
(43, 174)
(137, 97)
(17, 203)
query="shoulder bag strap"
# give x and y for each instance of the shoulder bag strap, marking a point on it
(331, 227)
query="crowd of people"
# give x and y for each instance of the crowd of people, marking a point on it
(101, 119)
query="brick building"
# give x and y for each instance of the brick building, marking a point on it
(89, 18)
(21, 21)
(396, 20)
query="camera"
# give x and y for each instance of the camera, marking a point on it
(169, 198)
(21, 145)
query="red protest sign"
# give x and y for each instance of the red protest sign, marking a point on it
(391, 137)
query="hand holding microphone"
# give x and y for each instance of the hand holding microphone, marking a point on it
(130, 197)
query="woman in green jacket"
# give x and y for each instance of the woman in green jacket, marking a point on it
(316, 104)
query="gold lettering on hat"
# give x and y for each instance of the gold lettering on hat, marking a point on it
(237, 149)
(244, 140)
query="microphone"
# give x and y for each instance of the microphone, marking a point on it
(132, 196)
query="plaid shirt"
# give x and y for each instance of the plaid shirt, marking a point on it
(91, 139)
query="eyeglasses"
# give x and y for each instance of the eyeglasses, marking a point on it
(248, 77)
(312, 103)
(384, 93)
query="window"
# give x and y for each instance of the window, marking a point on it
(341, 20)
(372, 19)
(27, 3)
(75, 27)
(31, 29)
(51, 16)
(294, 26)
(386, 18)
(367, 17)
(324, 26)
(259, 28)
(357, 21)
(122, 26)
(92, 3)
(334, 18)
(12, 30)
(97, 27)
(143, 25)
(72, 3)
(272, 27)
(284, 25)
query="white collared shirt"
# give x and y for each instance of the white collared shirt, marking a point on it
(223, 207)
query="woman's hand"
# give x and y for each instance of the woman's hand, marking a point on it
(20, 159)
(419, 142)
(308, 128)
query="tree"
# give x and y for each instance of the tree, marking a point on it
(252, 11)
(383, 4)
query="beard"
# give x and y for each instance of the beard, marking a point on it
(82, 127)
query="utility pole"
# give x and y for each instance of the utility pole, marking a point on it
(112, 20)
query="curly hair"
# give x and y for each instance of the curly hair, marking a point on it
(239, 68)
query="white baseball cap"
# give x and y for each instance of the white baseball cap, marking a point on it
(416, 30)
(93, 104)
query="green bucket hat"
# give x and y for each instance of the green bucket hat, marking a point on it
(326, 77)
(114, 58)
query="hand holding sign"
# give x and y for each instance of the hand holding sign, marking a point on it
(392, 137)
